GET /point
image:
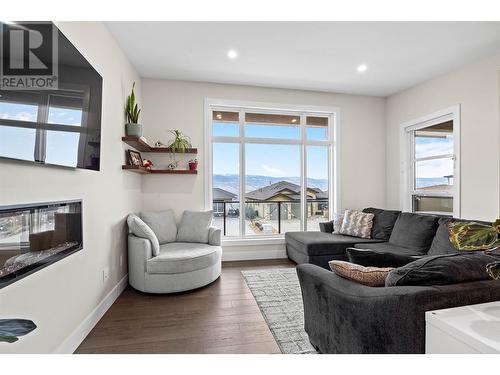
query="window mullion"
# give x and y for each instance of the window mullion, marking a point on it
(242, 173)
(303, 174)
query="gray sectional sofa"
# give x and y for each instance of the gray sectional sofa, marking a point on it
(342, 316)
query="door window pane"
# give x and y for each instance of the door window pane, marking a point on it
(434, 140)
(272, 186)
(434, 175)
(225, 124)
(317, 186)
(433, 205)
(317, 128)
(226, 188)
(261, 125)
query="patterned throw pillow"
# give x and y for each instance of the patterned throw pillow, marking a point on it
(337, 222)
(370, 276)
(357, 224)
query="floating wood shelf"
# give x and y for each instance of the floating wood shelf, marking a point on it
(142, 146)
(137, 169)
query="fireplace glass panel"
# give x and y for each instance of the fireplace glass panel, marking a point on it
(32, 237)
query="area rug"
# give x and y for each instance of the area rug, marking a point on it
(277, 292)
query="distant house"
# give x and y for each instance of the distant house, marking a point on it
(219, 197)
(289, 195)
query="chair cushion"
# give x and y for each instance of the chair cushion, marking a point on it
(387, 247)
(370, 258)
(320, 243)
(441, 244)
(357, 224)
(194, 226)
(443, 270)
(140, 229)
(383, 222)
(414, 231)
(163, 224)
(181, 257)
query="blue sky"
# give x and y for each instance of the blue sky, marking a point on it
(431, 146)
(269, 159)
(19, 143)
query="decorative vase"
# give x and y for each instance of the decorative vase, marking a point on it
(193, 166)
(134, 130)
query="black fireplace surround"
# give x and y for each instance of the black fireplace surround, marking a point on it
(33, 236)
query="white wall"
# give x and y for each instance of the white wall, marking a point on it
(180, 105)
(475, 87)
(60, 296)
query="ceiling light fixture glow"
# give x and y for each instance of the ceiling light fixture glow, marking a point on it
(232, 54)
(362, 68)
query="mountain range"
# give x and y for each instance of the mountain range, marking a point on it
(230, 182)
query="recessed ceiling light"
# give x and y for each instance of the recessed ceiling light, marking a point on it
(294, 120)
(362, 68)
(232, 54)
(219, 116)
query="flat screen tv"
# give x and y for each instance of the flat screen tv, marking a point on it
(50, 98)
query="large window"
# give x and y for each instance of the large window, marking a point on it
(271, 170)
(432, 169)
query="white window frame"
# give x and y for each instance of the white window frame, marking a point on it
(273, 108)
(407, 157)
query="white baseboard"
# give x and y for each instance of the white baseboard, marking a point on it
(78, 335)
(230, 254)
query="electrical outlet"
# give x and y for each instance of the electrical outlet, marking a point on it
(105, 275)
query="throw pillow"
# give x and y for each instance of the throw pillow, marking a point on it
(383, 222)
(140, 229)
(414, 231)
(371, 258)
(194, 226)
(443, 270)
(337, 222)
(370, 276)
(163, 224)
(357, 224)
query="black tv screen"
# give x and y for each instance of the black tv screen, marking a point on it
(50, 98)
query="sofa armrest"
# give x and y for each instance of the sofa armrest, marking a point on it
(139, 251)
(326, 226)
(214, 236)
(342, 316)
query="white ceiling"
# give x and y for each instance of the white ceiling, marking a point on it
(306, 55)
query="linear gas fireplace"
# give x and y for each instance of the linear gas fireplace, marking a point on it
(33, 236)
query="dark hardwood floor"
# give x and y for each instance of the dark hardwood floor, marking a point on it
(220, 318)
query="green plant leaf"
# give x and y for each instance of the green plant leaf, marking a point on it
(473, 236)
(9, 339)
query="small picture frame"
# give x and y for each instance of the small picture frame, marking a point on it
(134, 158)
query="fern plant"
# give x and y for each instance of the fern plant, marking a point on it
(132, 110)
(180, 143)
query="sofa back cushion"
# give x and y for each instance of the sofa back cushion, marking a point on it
(414, 231)
(357, 224)
(373, 258)
(441, 244)
(194, 226)
(163, 224)
(383, 222)
(140, 229)
(443, 270)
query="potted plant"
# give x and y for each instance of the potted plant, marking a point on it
(470, 236)
(132, 111)
(193, 164)
(180, 143)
